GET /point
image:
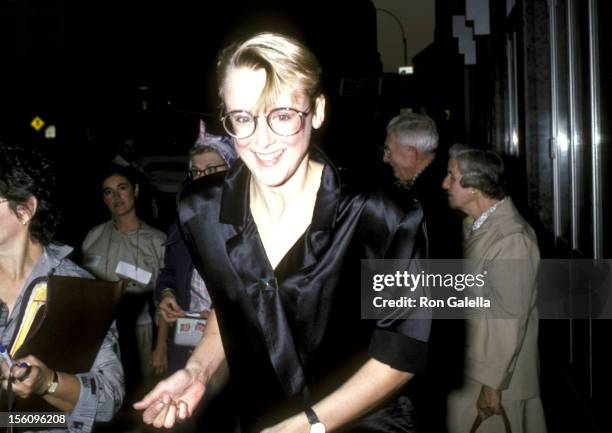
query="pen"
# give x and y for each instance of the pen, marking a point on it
(5, 356)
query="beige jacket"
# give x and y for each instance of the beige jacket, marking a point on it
(502, 342)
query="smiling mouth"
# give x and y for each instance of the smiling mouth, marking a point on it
(270, 157)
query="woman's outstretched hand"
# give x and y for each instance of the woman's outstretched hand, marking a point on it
(172, 400)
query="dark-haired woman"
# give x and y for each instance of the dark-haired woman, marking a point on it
(27, 224)
(501, 358)
(125, 247)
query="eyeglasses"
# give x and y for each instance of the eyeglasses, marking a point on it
(195, 173)
(282, 121)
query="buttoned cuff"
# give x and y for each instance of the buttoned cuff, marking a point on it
(82, 417)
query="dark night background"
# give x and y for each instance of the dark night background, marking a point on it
(102, 72)
(106, 71)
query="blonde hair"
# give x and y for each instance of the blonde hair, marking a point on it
(289, 66)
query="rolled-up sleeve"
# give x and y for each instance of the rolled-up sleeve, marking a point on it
(102, 388)
(399, 351)
(401, 342)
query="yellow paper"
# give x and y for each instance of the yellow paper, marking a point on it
(38, 298)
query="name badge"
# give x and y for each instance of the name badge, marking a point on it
(189, 331)
(126, 270)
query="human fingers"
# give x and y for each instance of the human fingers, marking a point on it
(26, 380)
(4, 371)
(170, 310)
(170, 417)
(160, 419)
(22, 372)
(166, 315)
(484, 413)
(30, 367)
(151, 413)
(169, 303)
(183, 411)
(157, 394)
(177, 310)
(159, 369)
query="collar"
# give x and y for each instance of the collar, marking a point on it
(235, 197)
(410, 183)
(51, 257)
(407, 185)
(486, 214)
(53, 254)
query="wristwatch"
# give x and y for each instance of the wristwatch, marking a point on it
(53, 384)
(316, 426)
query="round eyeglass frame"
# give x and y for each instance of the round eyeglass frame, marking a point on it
(205, 172)
(302, 115)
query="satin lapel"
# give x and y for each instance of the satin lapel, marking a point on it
(248, 258)
(305, 257)
(249, 261)
(262, 288)
(260, 284)
(319, 234)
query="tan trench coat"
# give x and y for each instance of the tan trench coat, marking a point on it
(502, 341)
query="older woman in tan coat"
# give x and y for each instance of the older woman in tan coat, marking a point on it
(501, 358)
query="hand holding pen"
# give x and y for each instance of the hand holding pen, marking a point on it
(27, 378)
(5, 358)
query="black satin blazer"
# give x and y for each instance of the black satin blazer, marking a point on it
(293, 334)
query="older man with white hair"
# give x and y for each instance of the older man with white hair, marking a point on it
(412, 140)
(410, 149)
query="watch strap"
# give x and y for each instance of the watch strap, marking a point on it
(312, 416)
(52, 385)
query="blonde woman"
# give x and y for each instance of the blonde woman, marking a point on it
(278, 243)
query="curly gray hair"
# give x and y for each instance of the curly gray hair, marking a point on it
(480, 169)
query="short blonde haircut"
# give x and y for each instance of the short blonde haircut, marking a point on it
(289, 66)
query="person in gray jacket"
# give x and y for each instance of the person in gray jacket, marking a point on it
(27, 225)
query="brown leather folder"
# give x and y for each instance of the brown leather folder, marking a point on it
(68, 330)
